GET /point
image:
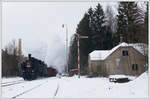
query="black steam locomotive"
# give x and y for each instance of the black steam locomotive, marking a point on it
(33, 68)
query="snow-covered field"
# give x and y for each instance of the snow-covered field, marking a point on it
(73, 87)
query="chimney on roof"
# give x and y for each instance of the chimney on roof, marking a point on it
(121, 38)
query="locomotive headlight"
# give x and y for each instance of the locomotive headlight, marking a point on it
(28, 64)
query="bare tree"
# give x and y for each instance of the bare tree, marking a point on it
(10, 60)
(110, 18)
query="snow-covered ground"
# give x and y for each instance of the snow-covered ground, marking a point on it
(74, 87)
(5, 80)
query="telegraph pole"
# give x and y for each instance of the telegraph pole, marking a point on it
(78, 45)
(65, 25)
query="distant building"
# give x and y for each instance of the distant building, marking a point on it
(127, 59)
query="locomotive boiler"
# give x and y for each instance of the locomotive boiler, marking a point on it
(33, 68)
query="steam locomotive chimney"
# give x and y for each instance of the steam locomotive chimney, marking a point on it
(29, 56)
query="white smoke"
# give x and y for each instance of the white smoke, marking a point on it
(40, 51)
(53, 52)
(56, 53)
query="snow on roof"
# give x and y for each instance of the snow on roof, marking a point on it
(141, 47)
(99, 54)
(103, 54)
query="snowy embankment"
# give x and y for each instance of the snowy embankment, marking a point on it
(102, 88)
(137, 88)
(74, 87)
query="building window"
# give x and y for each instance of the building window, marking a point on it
(125, 53)
(135, 67)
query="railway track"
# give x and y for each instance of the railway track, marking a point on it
(12, 83)
(29, 90)
(56, 90)
(26, 91)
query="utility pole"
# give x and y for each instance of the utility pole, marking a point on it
(78, 45)
(65, 25)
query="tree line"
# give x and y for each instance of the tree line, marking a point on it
(104, 30)
(10, 60)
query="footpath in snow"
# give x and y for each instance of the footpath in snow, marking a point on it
(102, 88)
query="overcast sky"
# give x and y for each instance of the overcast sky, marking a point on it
(39, 25)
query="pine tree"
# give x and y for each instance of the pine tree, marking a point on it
(93, 26)
(129, 22)
(83, 30)
(98, 28)
(145, 33)
(108, 44)
(133, 22)
(122, 22)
